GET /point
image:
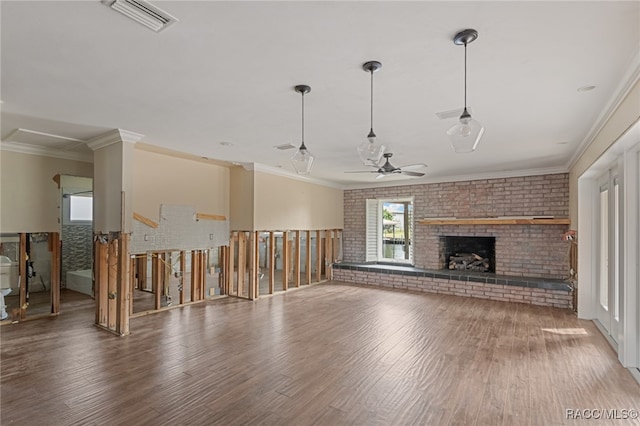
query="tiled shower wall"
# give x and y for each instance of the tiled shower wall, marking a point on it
(522, 250)
(77, 249)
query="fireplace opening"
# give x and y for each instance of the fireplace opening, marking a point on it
(472, 254)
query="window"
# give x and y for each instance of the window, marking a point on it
(389, 228)
(80, 208)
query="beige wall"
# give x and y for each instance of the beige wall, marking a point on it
(242, 199)
(623, 118)
(283, 203)
(163, 179)
(107, 188)
(30, 199)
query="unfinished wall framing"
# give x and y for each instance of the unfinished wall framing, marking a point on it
(261, 263)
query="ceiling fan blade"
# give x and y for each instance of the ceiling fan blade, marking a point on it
(409, 173)
(380, 176)
(362, 171)
(413, 166)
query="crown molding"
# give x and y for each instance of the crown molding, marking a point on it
(45, 152)
(462, 178)
(628, 81)
(285, 173)
(113, 136)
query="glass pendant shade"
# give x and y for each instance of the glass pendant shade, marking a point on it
(465, 134)
(370, 151)
(302, 160)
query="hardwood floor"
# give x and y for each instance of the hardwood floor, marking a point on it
(329, 354)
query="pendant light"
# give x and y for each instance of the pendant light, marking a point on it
(465, 134)
(370, 151)
(302, 160)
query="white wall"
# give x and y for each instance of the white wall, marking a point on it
(30, 199)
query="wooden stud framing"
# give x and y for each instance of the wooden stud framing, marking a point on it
(230, 266)
(123, 291)
(255, 266)
(272, 262)
(328, 253)
(157, 274)
(145, 220)
(22, 273)
(195, 261)
(54, 248)
(142, 272)
(318, 256)
(133, 268)
(206, 216)
(183, 266)
(242, 263)
(285, 260)
(101, 283)
(308, 258)
(112, 303)
(336, 245)
(296, 265)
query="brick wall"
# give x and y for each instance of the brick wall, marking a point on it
(505, 293)
(521, 250)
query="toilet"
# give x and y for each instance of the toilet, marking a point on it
(3, 308)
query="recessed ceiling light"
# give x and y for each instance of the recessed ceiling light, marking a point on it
(224, 143)
(586, 88)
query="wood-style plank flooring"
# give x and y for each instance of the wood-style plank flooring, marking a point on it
(329, 354)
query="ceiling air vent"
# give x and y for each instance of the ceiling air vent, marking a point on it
(145, 13)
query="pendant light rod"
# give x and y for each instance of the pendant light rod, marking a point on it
(463, 38)
(371, 67)
(302, 88)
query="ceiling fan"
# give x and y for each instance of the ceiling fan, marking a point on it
(388, 169)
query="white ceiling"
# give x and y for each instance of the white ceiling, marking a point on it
(226, 71)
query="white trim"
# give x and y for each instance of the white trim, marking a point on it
(45, 152)
(113, 136)
(285, 173)
(628, 80)
(587, 236)
(460, 178)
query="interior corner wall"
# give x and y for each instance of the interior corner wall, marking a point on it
(107, 188)
(283, 203)
(30, 199)
(242, 199)
(627, 113)
(162, 179)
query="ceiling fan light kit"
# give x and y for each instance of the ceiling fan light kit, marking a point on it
(370, 150)
(467, 132)
(388, 169)
(302, 160)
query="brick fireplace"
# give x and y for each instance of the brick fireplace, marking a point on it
(474, 254)
(520, 250)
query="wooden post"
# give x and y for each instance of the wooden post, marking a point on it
(101, 284)
(112, 303)
(272, 262)
(133, 267)
(242, 261)
(318, 256)
(255, 266)
(54, 248)
(329, 254)
(156, 277)
(22, 272)
(123, 286)
(142, 272)
(285, 260)
(183, 266)
(336, 245)
(308, 259)
(296, 266)
(194, 275)
(231, 272)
